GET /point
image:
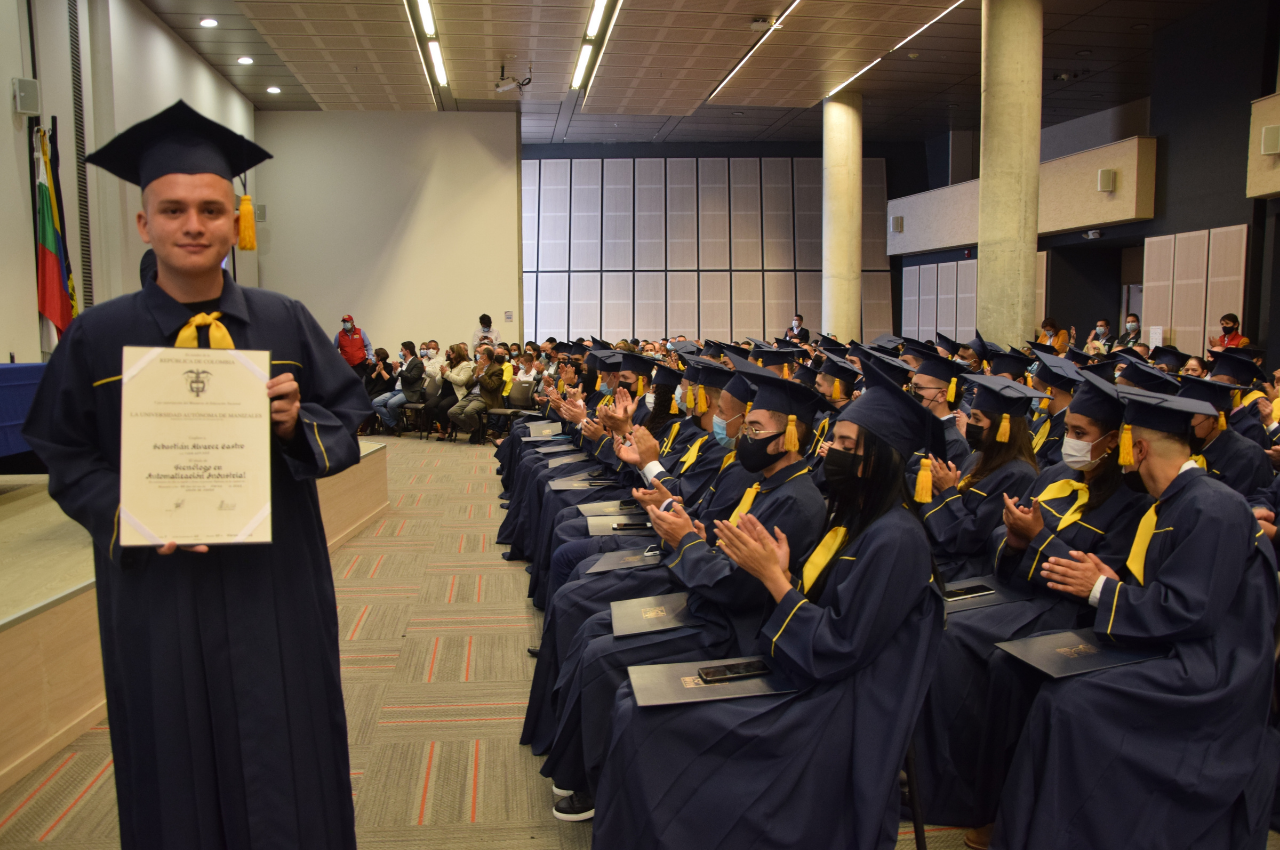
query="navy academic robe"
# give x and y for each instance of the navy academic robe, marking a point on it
(958, 452)
(1238, 462)
(1049, 451)
(814, 769)
(1247, 421)
(960, 524)
(968, 720)
(227, 721)
(1175, 751)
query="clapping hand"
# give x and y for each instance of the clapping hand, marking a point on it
(672, 526)
(655, 497)
(592, 429)
(945, 474)
(1076, 575)
(1021, 524)
(626, 453)
(765, 556)
(646, 445)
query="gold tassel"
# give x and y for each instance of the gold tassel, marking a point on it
(1235, 399)
(1126, 446)
(1222, 421)
(760, 362)
(951, 390)
(248, 228)
(748, 410)
(560, 386)
(836, 391)
(791, 439)
(924, 482)
(786, 371)
(598, 376)
(675, 408)
(702, 401)
(1002, 435)
(640, 385)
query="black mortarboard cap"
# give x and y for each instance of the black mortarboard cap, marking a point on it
(841, 369)
(1042, 348)
(606, 361)
(772, 356)
(1169, 414)
(998, 396)
(806, 375)
(564, 347)
(1057, 372)
(577, 349)
(710, 373)
(1011, 362)
(1076, 356)
(1169, 357)
(949, 345)
(684, 346)
(1220, 395)
(178, 140)
(1148, 378)
(890, 367)
(1097, 399)
(779, 395)
(640, 364)
(665, 376)
(888, 341)
(985, 350)
(740, 388)
(1106, 370)
(759, 343)
(828, 344)
(1234, 364)
(597, 344)
(893, 416)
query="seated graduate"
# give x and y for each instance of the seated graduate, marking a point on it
(1237, 370)
(968, 721)
(730, 604)
(1224, 453)
(1168, 359)
(1134, 372)
(586, 594)
(936, 386)
(1174, 751)
(1058, 378)
(967, 503)
(854, 630)
(1011, 364)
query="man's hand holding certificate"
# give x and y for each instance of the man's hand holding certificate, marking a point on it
(195, 449)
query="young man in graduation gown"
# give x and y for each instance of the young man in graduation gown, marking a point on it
(968, 721)
(1174, 751)
(1235, 368)
(1058, 378)
(221, 662)
(1220, 450)
(854, 628)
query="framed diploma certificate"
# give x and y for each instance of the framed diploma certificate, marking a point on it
(195, 447)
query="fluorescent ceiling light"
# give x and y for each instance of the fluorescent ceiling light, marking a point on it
(208, 22)
(755, 47)
(245, 60)
(428, 20)
(437, 59)
(583, 59)
(854, 77)
(273, 90)
(593, 23)
(923, 28)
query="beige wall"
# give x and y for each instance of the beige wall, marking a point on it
(931, 221)
(1264, 171)
(20, 332)
(408, 221)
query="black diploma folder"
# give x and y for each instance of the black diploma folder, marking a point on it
(556, 448)
(652, 614)
(603, 526)
(626, 559)
(550, 438)
(1000, 594)
(578, 482)
(543, 429)
(610, 509)
(561, 460)
(671, 684)
(1062, 654)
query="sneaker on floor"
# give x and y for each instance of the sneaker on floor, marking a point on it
(976, 839)
(533, 650)
(560, 792)
(579, 806)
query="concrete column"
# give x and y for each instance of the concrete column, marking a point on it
(1009, 193)
(842, 216)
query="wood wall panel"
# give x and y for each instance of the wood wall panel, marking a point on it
(651, 305)
(748, 306)
(946, 319)
(1157, 285)
(651, 214)
(529, 214)
(1228, 253)
(807, 174)
(682, 214)
(911, 302)
(616, 306)
(530, 297)
(553, 305)
(713, 213)
(682, 304)
(584, 218)
(877, 305)
(1190, 277)
(809, 299)
(779, 302)
(777, 221)
(744, 203)
(553, 216)
(928, 302)
(619, 214)
(713, 306)
(584, 304)
(966, 300)
(875, 216)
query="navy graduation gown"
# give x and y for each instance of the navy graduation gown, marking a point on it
(960, 524)
(816, 768)
(1247, 421)
(958, 452)
(1050, 451)
(222, 682)
(1238, 462)
(1172, 752)
(968, 718)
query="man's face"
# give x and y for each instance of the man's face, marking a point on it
(190, 220)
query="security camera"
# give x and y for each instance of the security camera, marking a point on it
(507, 86)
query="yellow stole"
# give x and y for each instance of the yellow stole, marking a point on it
(189, 336)
(1138, 552)
(691, 456)
(1066, 487)
(745, 505)
(1041, 435)
(666, 447)
(832, 543)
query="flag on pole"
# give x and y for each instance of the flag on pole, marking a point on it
(56, 289)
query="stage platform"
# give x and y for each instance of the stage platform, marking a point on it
(51, 687)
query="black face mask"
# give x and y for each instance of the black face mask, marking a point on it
(973, 435)
(841, 469)
(1133, 480)
(1196, 443)
(754, 454)
(1228, 330)
(916, 394)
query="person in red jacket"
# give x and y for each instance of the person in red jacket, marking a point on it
(354, 346)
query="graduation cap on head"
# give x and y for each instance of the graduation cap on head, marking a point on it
(773, 357)
(1231, 363)
(684, 346)
(795, 401)
(606, 361)
(846, 375)
(1220, 395)
(826, 343)
(1076, 356)
(563, 348)
(788, 343)
(1106, 370)
(1057, 372)
(895, 417)
(1169, 414)
(577, 349)
(180, 140)
(806, 375)
(665, 376)
(934, 365)
(1148, 378)
(982, 348)
(888, 341)
(642, 366)
(1042, 348)
(1002, 398)
(740, 388)
(759, 343)
(1169, 357)
(949, 345)
(597, 344)
(890, 367)
(1011, 362)
(1097, 399)
(915, 348)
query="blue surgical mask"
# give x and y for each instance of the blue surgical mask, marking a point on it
(1102, 331)
(1131, 326)
(670, 347)
(402, 357)
(720, 430)
(346, 326)
(680, 401)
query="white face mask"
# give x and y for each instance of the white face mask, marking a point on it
(1078, 454)
(648, 400)
(795, 326)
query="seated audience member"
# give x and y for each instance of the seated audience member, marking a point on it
(1196, 367)
(457, 378)
(409, 373)
(1238, 371)
(1132, 332)
(967, 723)
(968, 503)
(1051, 336)
(484, 391)
(1168, 359)
(381, 379)
(527, 371)
(1231, 337)
(854, 629)
(1100, 339)
(1058, 379)
(1175, 750)
(1223, 452)
(486, 334)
